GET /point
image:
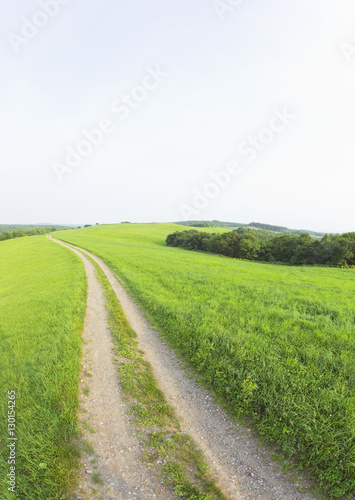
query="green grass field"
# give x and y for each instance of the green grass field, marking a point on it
(42, 306)
(276, 342)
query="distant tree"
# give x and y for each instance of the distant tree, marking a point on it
(6, 235)
(349, 241)
(281, 248)
(217, 244)
(344, 250)
(249, 247)
(18, 234)
(303, 251)
(328, 248)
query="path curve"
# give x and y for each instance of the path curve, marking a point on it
(244, 468)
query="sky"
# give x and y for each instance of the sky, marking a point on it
(156, 111)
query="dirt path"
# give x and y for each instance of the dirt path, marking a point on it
(115, 457)
(244, 469)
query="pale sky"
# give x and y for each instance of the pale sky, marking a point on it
(180, 89)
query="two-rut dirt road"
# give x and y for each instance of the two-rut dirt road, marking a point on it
(243, 468)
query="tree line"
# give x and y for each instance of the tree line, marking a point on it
(209, 223)
(251, 225)
(32, 231)
(281, 229)
(336, 250)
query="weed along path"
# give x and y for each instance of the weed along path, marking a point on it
(243, 469)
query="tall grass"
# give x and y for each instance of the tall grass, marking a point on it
(278, 343)
(42, 305)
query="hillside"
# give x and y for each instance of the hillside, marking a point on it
(275, 342)
(252, 225)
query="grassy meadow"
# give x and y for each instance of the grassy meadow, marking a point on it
(42, 307)
(276, 342)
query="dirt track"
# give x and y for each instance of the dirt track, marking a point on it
(244, 469)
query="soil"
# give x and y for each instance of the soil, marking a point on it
(243, 467)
